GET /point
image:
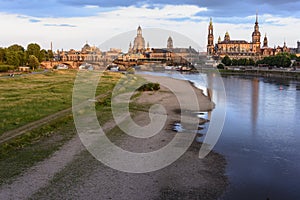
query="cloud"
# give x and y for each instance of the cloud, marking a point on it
(171, 12)
(34, 20)
(60, 25)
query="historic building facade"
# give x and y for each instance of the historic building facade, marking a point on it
(139, 51)
(241, 48)
(87, 53)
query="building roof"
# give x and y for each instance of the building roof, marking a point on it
(184, 50)
(234, 42)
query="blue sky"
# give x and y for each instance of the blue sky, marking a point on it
(69, 23)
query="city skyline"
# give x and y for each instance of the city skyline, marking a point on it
(69, 24)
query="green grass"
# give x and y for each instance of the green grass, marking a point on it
(29, 98)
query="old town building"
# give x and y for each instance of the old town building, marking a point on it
(241, 48)
(139, 51)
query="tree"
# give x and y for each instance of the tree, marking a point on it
(16, 47)
(279, 60)
(251, 62)
(34, 49)
(242, 62)
(234, 62)
(15, 55)
(226, 61)
(220, 66)
(43, 55)
(12, 58)
(33, 62)
(50, 55)
(2, 55)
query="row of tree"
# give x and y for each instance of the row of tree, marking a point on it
(279, 60)
(16, 55)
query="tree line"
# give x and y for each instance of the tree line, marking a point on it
(16, 55)
(279, 60)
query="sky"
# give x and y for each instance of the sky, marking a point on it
(69, 24)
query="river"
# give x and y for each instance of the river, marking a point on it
(260, 138)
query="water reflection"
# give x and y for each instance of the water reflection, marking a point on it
(262, 146)
(255, 98)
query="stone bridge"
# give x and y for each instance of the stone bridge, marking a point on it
(51, 64)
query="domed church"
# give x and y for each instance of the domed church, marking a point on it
(139, 42)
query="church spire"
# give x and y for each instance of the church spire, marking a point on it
(256, 22)
(210, 38)
(256, 36)
(139, 30)
(265, 41)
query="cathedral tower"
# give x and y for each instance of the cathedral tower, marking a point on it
(256, 37)
(265, 41)
(226, 37)
(210, 39)
(170, 43)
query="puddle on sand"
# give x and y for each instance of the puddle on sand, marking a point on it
(202, 126)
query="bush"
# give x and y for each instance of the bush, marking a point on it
(6, 68)
(149, 87)
(226, 61)
(220, 66)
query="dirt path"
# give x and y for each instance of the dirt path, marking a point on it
(39, 175)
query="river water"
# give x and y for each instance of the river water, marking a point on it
(260, 138)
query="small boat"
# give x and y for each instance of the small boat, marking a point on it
(169, 67)
(184, 69)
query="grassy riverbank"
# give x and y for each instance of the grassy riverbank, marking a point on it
(29, 98)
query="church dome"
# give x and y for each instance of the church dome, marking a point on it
(139, 41)
(227, 37)
(86, 47)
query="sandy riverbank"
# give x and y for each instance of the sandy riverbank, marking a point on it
(86, 178)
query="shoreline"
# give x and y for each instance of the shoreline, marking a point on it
(263, 73)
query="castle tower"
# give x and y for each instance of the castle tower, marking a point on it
(219, 39)
(170, 43)
(210, 39)
(256, 37)
(284, 44)
(265, 42)
(298, 47)
(139, 42)
(285, 48)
